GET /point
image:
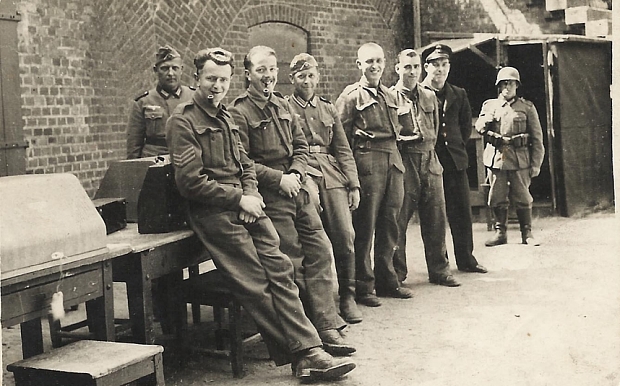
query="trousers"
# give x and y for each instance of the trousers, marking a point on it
(304, 241)
(424, 193)
(260, 276)
(458, 210)
(376, 220)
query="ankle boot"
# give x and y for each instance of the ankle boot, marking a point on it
(525, 223)
(500, 237)
(349, 310)
(345, 268)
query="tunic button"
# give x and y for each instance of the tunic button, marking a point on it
(443, 124)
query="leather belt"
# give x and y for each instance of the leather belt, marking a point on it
(319, 149)
(156, 141)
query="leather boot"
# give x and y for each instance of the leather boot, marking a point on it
(349, 310)
(345, 268)
(525, 223)
(316, 365)
(500, 237)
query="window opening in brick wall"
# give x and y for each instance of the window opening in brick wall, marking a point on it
(287, 40)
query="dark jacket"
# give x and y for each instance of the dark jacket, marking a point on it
(272, 137)
(211, 167)
(455, 128)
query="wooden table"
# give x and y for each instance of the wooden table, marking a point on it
(84, 278)
(151, 256)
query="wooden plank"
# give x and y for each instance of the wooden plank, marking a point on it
(581, 15)
(555, 5)
(34, 302)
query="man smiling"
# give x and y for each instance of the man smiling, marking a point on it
(368, 111)
(454, 132)
(275, 141)
(214, 172)
(419, 116)
(339, 187)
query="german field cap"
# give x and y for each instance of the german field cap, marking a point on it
(438, 51)
(165, 53)
(302, 62)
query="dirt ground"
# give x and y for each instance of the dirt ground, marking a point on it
(543, 315)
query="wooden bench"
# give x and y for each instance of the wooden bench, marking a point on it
(90, 362)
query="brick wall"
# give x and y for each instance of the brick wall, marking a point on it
(83, 61)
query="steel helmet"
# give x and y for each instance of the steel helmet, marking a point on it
(508, 73)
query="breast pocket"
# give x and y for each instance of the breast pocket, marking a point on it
(212, 141)
(519, 123)
(370, 114)
(328, 129)
(155, 123)
(263, 136)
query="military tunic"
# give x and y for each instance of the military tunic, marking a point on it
(274, 140)
(369, 117)
(423, 182)
(510, 163)
(146, 128)
(331, 154)
(213, 171)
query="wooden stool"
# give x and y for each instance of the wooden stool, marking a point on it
(89, 362)
(210, 289)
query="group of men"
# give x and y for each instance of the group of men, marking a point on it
(277, 185)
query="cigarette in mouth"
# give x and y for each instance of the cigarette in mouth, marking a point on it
(209, 96)
(266, 92)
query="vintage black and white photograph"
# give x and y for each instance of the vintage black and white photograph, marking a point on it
(284, 192)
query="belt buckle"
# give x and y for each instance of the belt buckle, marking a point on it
(314, 148)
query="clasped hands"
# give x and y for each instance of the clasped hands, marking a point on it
(251, 208)
(290, 185)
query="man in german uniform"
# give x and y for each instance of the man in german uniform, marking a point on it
(513, 154)
(368, 111)
(454, 132)
(214, 173)
(146, 128)
(274, 140)
(339, 188)
(419, 116)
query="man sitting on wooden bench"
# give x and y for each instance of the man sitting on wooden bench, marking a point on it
(214, 173)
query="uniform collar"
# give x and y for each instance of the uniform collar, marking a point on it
(165, 94)
(411, 94)
(373, 90)
(301, 102)
(205, 105)
(427, 84)
(260, 100)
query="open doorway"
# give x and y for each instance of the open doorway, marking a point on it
(528, 59)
